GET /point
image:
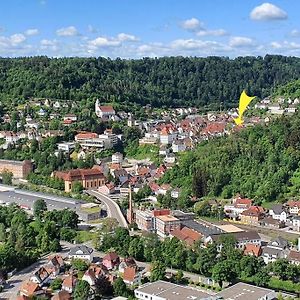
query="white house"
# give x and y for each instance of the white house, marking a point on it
(178, 146)
(117, 158)
(66, 146)
(81, 252)
(170, 158)
(278, 213)
(296, 223)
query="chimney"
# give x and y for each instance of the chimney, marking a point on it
(130, 215)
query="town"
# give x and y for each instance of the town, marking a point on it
(114, 179)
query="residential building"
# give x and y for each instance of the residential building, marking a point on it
(237, 207)
(271, 223)
(111, 260)
(89, 178)
(30, 289)
(252, 215)
(294, 207)
(294, 257)
(117, 158)
(128, 262)
(278, 213)
(66, 146)
(132, 276)
(170, 158)
(19, 169)
(55, 265)
(296, 223)
(62, 295)
(252, 250)
(178, 146)
(81, 252)
(166, 137)
(69, 283)
(41, 276)
(71, 117)
(277, 248)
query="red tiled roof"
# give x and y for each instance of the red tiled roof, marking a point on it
(252, 249)
(187, 235)
(292, 203)
(86, 135)
(294, 256)
(70, 281)
(212, 128)
(254, 211)
(107, 108)
(62, 295)
(77, 174)
(68, 121)
(129, 274)
(111, 256)
(29, 288)
(243, 201)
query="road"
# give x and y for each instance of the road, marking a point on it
(113, 209)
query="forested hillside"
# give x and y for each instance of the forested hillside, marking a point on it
(260, 162)
(172, 81)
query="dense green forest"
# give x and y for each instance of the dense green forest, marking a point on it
(168, 81)
(261, 162)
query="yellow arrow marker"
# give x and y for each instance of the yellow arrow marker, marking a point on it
(244, 102)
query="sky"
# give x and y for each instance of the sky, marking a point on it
(154, 28)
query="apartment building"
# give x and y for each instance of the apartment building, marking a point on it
(19, 169)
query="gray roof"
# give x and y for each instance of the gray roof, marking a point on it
(269, 251)
(277, 209)
(81, 249)
(201, 228)
(279, 242)
(244, 291)
(170, 291)
(243, 236)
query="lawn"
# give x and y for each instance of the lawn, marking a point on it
(83, 236)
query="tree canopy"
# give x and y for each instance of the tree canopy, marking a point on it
(167, 81)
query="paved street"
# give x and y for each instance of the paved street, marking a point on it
(113, 209)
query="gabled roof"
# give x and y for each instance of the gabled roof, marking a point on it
(111, 256)
(81, 248)
(277, 209)
(28, 288)
(252, 249)
(294, 256)
(129, 274)
(70, 281)
(62, 295)
(253, 211)
(107, 108)
(77, 174)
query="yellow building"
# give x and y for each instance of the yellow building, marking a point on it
(89, 178)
